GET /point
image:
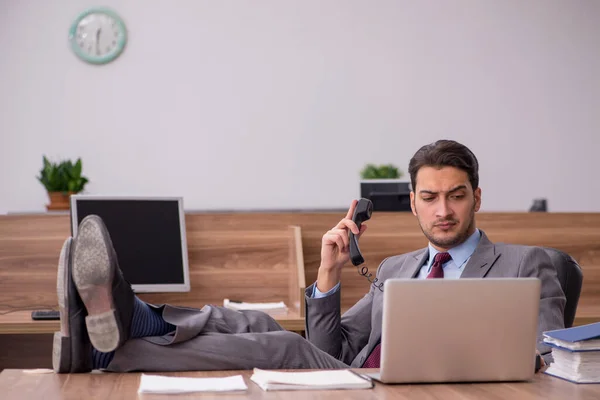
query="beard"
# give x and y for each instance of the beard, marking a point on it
(449, 241)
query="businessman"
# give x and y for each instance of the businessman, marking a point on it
(105, 326)
(445, 197)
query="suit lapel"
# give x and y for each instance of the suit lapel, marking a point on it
(414, 264)
(483, 258)
(409, 269)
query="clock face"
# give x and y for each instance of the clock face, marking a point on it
(98, 36)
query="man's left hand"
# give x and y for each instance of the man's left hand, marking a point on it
(543, 365)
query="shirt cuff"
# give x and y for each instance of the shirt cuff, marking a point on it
(317, 294)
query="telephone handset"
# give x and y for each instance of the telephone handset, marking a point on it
(362, 212)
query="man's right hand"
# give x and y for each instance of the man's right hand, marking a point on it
(335, 250)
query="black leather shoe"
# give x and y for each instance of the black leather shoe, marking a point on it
(71, 350)
(107, 296)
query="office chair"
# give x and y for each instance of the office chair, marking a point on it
(570, 277)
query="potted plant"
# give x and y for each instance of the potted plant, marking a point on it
(382, 185)
(61, 180)
(386, 171)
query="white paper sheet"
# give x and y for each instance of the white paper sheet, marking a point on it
(310, 380)
(277, 306)
(173, 384)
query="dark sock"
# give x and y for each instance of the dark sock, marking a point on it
(101, 360)
(145, 322)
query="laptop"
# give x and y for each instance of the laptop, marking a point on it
(459, 330)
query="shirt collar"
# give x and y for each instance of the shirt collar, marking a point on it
(461, 253)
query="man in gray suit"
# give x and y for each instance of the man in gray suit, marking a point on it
(445, 197)
(104, 325)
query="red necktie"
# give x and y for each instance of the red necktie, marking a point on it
(374, 358)
(373, 361)
(436, 269)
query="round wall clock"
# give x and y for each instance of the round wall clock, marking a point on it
(98, 35)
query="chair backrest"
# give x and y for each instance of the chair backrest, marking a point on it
(570, 277)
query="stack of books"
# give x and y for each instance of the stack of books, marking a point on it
(576, 353)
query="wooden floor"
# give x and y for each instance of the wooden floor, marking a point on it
(20, 385)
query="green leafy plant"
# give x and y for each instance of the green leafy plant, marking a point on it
(386, 171)
(63, 176)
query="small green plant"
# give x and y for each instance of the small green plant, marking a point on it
(386, 171)
(62, 177)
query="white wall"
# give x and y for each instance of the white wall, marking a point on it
(278, 104)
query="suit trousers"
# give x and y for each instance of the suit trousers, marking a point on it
(217, 338)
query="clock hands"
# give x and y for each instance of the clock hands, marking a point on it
(98, 41)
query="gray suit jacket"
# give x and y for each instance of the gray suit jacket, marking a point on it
(351, 337)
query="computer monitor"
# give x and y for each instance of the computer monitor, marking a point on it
(390, 201)
(149, 237)
(386, 194)
(368, 186)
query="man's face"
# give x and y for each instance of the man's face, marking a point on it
(445, 205)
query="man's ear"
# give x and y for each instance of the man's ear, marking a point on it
(477, 195)
(412, 203)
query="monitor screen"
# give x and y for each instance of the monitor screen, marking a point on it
(387, 194)
(149, 237)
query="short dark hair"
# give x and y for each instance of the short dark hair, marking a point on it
(445, 153)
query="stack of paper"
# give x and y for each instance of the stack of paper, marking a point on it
(310, 380)
(271, 308)
(576, 353)
(172, 384)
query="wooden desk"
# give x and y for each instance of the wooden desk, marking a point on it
(25, 343)
(254, 263)
(242, 248)
(392, 233)
(17, 385)
(20, 322)
(587, 314)
(225, 261)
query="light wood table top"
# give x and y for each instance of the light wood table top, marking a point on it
(20, 322)
(18, 384)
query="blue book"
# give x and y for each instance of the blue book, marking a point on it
(577, 338)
